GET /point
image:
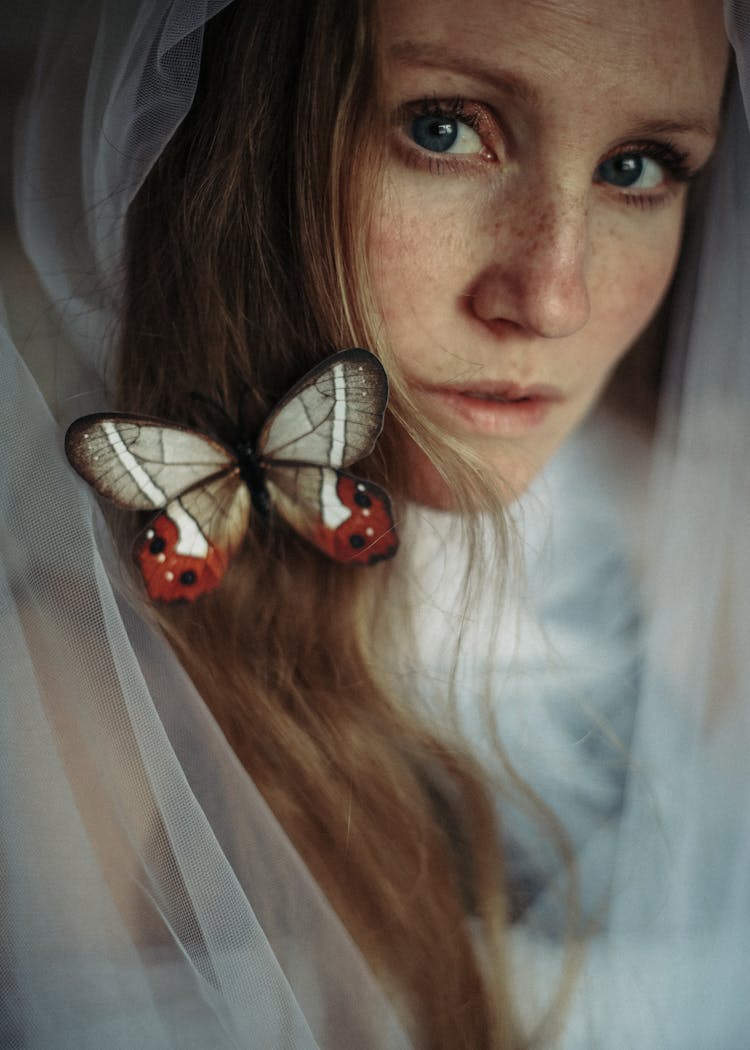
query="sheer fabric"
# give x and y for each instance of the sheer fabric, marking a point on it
(668, 969)
(150, 899)
(566, 651)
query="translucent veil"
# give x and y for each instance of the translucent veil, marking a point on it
(150, 900)
(668, 969)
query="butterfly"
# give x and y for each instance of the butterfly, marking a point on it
(203, 490)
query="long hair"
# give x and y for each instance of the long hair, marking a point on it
(246, 264)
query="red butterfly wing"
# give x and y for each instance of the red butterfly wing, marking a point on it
(345, 517)
(170, 576)
(367, 536)
(185, 550)
(140, 463)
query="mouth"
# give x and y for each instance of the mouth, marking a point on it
(494, 409)
(507, 393)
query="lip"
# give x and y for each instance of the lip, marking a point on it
(496, 409)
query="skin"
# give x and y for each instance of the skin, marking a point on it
(517, 256)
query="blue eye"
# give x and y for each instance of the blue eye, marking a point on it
(434, 133)
(631, 171)
(441, 133)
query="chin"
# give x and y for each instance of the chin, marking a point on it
(512, 474)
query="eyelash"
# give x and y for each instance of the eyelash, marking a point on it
(457, 109)
(674, 162)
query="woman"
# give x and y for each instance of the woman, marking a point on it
(452, 187)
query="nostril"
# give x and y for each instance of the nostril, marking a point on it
(546, 295)
(501, 327)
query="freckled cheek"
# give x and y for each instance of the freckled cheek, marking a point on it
(416, 262)
(389, 250)
(630, 289)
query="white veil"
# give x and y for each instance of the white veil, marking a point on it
(149, 898)
(669, 968)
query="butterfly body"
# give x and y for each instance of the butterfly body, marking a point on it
(252, 473)
(203, 490)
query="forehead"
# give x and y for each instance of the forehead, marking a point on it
(655, 54)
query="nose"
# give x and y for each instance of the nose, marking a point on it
(537, 280)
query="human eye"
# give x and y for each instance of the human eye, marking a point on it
(645, 174)
(441, 135)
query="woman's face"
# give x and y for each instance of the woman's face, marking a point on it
(531, 212)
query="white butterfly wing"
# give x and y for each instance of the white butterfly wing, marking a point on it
(140, 463)
(216, 513)
(333, 416)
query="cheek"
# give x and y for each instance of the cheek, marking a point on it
(631, 279)
(426, 252)
(417, 256)
(392, 248)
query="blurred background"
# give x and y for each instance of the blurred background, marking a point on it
(20, 24)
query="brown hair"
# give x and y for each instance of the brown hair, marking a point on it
(245, 266)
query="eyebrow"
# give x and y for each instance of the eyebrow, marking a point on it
(437, 56)
(700, 125)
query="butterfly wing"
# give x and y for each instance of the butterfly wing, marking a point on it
(140, 463)
(184, 551)
(332, 417)
(345, 517)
